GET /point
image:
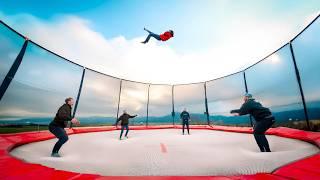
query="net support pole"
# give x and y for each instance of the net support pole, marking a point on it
(13, 70)
(206, 103)
(147, 122)
(119, 98)
(246, 89)
(78, 96)
(172, 113)
(300, 85)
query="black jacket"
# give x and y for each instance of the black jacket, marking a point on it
(185, 116)
(253, 108)
(63, 116)
(124, 118)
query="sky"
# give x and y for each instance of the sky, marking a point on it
(212, 38)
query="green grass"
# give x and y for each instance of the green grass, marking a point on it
(314, 125)
(17, 129)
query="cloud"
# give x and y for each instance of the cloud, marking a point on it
(310, 17)
(245, 41)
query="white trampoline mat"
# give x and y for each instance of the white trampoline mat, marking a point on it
(166, 152)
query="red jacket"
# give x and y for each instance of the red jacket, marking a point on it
(165, 36)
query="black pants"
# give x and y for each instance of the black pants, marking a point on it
(185, 123)
(151, 34)
(61, 134)
(259, 134)
(122, 129)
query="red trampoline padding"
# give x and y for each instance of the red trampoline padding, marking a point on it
(259, 176)
(51, 174)
(15, 168)
(5, 145)
(263, 176)
(308, 168)
(296, 173)
(232, 129)
(93, 129)
(11, 168)
(317, 142)
(312, 137)
(168, 178)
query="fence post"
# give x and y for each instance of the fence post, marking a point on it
(246, 87)
(300, 86)
(13, 70)
(172, 113)
(147, 122)
(78, 96)
(119, 98)
(206, 102)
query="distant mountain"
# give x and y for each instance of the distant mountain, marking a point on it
(281, 117)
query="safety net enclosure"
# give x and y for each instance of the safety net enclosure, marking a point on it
(31, 88)
(33, 82)
(166, 153)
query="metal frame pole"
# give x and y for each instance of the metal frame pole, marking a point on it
(13, 70)
(147, 122)
(119, 99)
(79, 94)
(206, 103)
(300, 85)
(172, 113)
(246, 87)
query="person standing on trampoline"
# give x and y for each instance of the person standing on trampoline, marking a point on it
(58, 124)
(162, 37)
(185, 118)
(124, 118)
(263, 117)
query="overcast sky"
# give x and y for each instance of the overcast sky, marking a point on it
(212, 38)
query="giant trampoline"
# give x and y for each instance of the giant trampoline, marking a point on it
(220, 145)
(166, 153)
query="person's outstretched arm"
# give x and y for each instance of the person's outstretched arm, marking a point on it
(243, 110)
(133, 116)
(235, 111)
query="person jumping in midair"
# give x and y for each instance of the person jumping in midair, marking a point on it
(162, 37)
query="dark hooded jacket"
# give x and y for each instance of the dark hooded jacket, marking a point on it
(124, 118)
(255, 109)
(63, 116)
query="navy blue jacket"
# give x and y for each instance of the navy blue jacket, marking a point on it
(185, 116)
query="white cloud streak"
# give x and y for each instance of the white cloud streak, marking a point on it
(245, 41)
